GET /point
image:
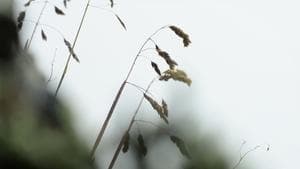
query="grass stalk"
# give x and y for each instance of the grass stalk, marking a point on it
(118, 150)
(36, 25)
(73, 45)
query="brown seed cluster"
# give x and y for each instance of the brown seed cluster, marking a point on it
(172, 63)
(185, 37)
(157, 107)
(178, 75)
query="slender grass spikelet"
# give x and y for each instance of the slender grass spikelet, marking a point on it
(172, 63)
(185, 37)
(159, 109)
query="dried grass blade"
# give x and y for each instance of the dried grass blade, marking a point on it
(155, 67)
(44, 36)
(58, 11)
(121, 22)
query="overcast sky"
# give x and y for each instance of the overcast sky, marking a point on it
(244, 62)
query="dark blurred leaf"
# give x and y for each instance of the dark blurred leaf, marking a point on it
(68, 44)
(165, 108)
(154, 65)
(20, 19)
(28, 3)
(181, 146)
(58, 11)
(65, 3)
(126, 142)
(111, 3)
(44, 36)
(142, 146)
(26, 44)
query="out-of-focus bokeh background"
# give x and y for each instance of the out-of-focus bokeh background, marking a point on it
(243, 62)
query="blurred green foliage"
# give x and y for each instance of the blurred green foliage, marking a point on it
(35, 132)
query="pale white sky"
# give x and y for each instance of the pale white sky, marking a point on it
(244, 62)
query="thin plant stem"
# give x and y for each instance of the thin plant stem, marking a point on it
(36, 24)
(117, 152)
(73, 45)
(139, 88)
(116, 99)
